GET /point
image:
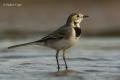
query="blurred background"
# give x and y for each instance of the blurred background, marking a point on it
(23, 18)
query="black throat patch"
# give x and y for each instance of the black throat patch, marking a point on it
(77, 31)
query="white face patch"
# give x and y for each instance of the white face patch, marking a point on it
(75, 19)
(78, 18)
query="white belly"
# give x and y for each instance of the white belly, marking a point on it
(63, 44)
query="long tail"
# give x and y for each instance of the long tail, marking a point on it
(20, 45)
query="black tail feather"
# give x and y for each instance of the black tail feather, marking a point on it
(19, 45)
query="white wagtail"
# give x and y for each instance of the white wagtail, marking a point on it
(63, 38)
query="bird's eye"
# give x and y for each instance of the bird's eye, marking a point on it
(78, 16)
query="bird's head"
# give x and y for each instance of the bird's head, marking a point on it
(75, 18)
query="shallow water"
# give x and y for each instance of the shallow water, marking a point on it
(90, 59)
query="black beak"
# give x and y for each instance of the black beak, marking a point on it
(85, 16)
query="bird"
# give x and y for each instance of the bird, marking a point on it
(61, 39)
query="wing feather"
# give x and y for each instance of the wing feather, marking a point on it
(58, 34)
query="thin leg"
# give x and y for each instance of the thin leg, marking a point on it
(57, 59)
(64, 59)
